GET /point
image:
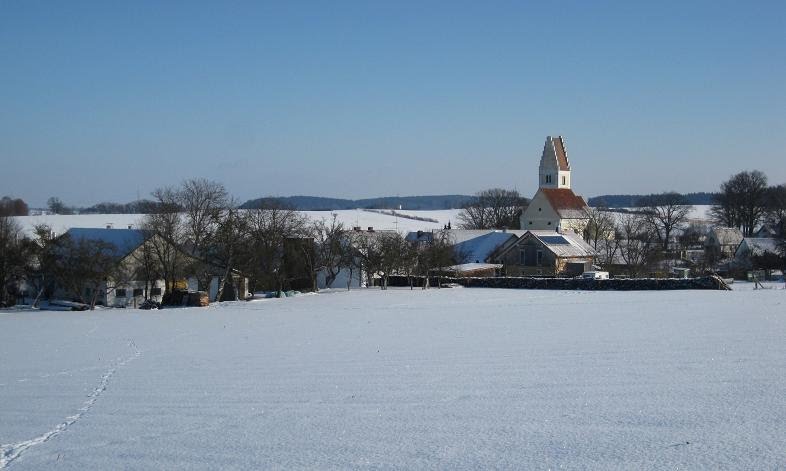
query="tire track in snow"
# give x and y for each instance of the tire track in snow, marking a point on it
(12, 451)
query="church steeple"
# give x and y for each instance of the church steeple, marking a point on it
(554, 169)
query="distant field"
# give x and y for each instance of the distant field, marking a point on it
(350, 218)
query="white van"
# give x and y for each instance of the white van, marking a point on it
(595, 275)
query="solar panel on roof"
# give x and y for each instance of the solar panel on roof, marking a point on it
(555, 240)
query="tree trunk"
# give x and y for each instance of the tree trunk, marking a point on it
(38, 296)
(221, 285)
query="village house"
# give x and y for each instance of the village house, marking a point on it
(555, 206)
(357, 276)
(473, 249)
(721, 243)
(125, 287)
(547, 253)
(758, 252)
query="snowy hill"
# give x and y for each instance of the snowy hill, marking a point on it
(350, 218)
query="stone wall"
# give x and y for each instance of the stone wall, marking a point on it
(617, 284)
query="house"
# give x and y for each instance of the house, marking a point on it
(469, 245)
(546, 253)
(721, 242)
(357, 238)
(126, 287)
(555, 206)
(758, 252)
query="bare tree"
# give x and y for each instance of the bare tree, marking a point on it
(147, 266)
(742, 201)
(369, 255)
(776, 209)
(56, 206)
(227, 242)
(13, 207)
(85, 266)
(393, 255)
(496, 208)
(351, 259)
(665, 212)
(331, 243)
(203, 202)
(436, 252)
(636, 242)
(166, 233)
(268, 227)
(14, 257)
(599, 227)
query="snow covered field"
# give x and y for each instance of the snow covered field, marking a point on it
(350, 218)
(451, 379)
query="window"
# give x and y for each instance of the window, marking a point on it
(529, 256)
(155, 292)
(548, 178)
(563, 179)
(120, 293)
(522, 257)
(88, 291)
(540, 209)
(138, 292)
(549, 223)
(530, 223)
(540, 258)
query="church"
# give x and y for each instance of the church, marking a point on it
(555, 207)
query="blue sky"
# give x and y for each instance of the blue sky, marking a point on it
(101, 100)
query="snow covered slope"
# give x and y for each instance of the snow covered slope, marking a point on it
(350, 218)
(450, 379)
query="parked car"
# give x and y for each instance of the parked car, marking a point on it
(595, 275)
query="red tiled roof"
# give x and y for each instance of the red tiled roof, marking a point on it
(563, 198)
(562, 156)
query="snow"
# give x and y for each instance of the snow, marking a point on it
(444, 378)
(350, 218)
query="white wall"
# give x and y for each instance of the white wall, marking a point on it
(541, 215)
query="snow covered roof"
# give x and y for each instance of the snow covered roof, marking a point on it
(475, 245)
(562, 244)
(480, 248)
(124, 240)
(724, 236)
(567, 244)
(758, 245)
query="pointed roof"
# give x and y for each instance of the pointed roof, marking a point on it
(568, 244)
(560, 152)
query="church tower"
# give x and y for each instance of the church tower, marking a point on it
(554, 165)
